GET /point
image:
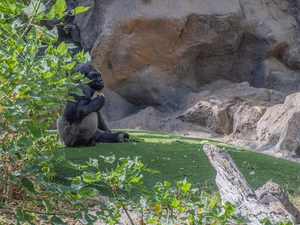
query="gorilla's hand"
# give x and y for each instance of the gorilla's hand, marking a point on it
(92, 106)
(100, 100)
(96, 93)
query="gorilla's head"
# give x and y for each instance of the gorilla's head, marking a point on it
(93, 74)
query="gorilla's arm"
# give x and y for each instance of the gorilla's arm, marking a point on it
(91, 106)
(76, 111)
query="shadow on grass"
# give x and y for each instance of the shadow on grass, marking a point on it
(177, 157)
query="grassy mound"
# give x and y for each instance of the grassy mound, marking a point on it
(177, 157)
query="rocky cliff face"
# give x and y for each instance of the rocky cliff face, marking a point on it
(172, 55)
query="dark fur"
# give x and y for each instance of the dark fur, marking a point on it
(81, 123)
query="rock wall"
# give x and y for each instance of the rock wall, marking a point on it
(142, 47)
(164, 62)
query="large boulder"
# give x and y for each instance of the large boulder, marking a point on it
(156, 52)
(234, 108)
(280, 127)
(274, 196)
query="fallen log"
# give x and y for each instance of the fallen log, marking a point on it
(234, 188)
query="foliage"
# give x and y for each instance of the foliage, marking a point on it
(33, 89)
(164, 204)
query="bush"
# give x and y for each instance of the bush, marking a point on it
(33, 89)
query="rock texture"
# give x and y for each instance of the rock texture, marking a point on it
(280, 127)
(150, 45)
(167, 64)
(272, 195)
(149, 52)
(234, 108)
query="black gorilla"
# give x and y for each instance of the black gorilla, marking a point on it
(81, 123)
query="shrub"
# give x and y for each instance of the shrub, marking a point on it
(33, 89)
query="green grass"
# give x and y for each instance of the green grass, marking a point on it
(178, 157)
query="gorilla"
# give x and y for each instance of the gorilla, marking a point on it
(81, 123)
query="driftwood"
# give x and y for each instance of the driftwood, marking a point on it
(234, 188)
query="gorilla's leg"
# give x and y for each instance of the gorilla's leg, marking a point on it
(105, 136)
(67, 132)
(101, 123)
(78, 134)
(86, 129)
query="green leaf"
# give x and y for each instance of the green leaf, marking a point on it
(27, 184)
(78, 205)
(143, 201)
(266, 221)
(90, 178)
(2, 21)
(175, 203)
(2, 204)
(136, 179)
(213, 222)
(59, 7)
(34, 130)
(22, 216)
(33, 8)
(77, 184)
(70, 66)
(62, 48)
(128, 188)
(259, 110)
(108, 159)
(39, 16)
(6, 10)
(181, 209)
(167, 184)
(44, 218)
(50, 14)
(80, 9)
(213, 202)
(229, 208)
(88, 192)
(71, 165)
(90, 218)
(59, 154)
(70, 98)
(77, 91)
(39, 179)
(49, 36)
(47, 75)
(25, 141)
(186, 187)
(47, 205)
(57, 221)
(78, 76)
(93, 163)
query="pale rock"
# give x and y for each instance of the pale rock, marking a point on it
(224, 110)
(279, 126)
(274, 196)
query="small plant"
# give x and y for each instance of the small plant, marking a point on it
(163, 204)
(268, 222)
